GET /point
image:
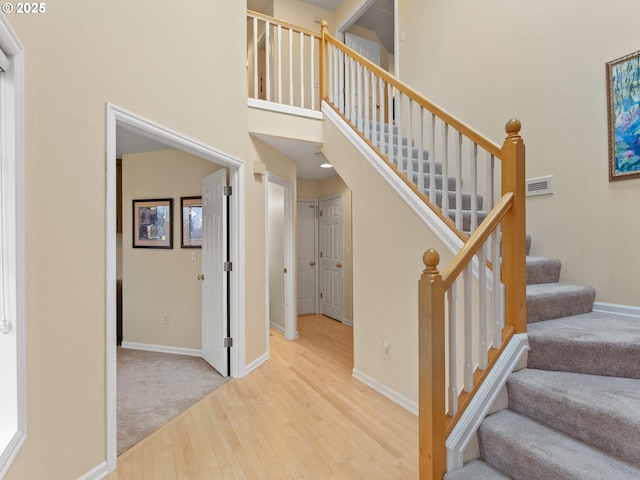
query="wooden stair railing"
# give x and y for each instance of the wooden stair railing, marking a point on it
(436, 355)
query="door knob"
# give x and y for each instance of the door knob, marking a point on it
(312, 264)
(5, 327)
(201, 277)
(339, 265)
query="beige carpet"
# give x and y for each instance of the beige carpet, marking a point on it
(155, 387)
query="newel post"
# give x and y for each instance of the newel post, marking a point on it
(324, 29)
(431, 370)
(514, 268)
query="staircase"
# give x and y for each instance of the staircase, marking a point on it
(574, 412)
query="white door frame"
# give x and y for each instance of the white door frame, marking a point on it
(13, 271)
(357, 13)
(316, 241)
(290, 317)
(116, 116)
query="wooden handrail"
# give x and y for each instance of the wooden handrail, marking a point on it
(275, 21)
(476, 240)
(458, 125)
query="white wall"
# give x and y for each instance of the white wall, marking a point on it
(158, 281)
(544, 63)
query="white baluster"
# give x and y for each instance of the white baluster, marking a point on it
(359, 98)
(302, 101)
(489, 198)
(375, 110)
(279, 44)
(267, 46)
(390, 127)
(474, 187)
(496, 309)
(453, 351)
(409, 154)
(381, 125)
(445, 168)
(367, 105)
(432, 164)
(398, 135)
(353, 92)
(341, 81)
(482, 306)
(459, 225)
(468, 328)
(421, 150)
(255, 57)
(290, 67)
(312, 77)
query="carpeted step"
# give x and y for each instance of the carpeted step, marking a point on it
(451, 181)
(603, 412)
(466, 199)
(475, 470)
(592, 343)
(546, 301)
(426, 163)
(542, 270)
(527, 450)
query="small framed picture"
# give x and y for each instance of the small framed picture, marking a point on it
(153, 223)
(191, 222)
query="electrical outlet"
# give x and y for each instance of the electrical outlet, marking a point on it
(165, 319)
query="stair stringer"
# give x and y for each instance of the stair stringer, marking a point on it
(441, 230)
(470, 421)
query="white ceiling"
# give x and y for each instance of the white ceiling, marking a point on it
(306, 154)
(128, 143)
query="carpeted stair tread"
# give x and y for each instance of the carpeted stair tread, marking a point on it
(527, 450)
(439, 182)
(591, 343)
(542, 270)
(466, 199)
(476, 470)
(546, 301)
(603, 412)
(466, 218)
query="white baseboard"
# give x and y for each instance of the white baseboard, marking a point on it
(162, 349)
(277, 327)
(347, 322)
(255, 364)
(467, 426)
(626, 311)
(391, 394)
(97, 473)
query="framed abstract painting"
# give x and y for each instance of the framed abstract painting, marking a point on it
(153, 223)
(623, 101)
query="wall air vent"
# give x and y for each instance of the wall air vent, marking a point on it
(540, 186)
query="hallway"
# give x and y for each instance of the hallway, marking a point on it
(300, 415)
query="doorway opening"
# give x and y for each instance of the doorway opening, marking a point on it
(119, 118)
(280, 281)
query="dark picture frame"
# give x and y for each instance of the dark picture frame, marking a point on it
(191, 208)
(623, 105)
(153, 223)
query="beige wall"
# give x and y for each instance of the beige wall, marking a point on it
(544, 63)
(78, 57)
(388, 243)
(157, 281)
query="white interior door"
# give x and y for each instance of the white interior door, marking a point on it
(331, 258)
(368, 49)
(306, 261)
(214, 284)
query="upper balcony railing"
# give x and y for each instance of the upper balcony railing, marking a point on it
(468, 313)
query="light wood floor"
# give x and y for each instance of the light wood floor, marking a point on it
(301, 415)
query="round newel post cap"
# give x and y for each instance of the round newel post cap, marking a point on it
(431, 259)
(324, 25)
(513, 127)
